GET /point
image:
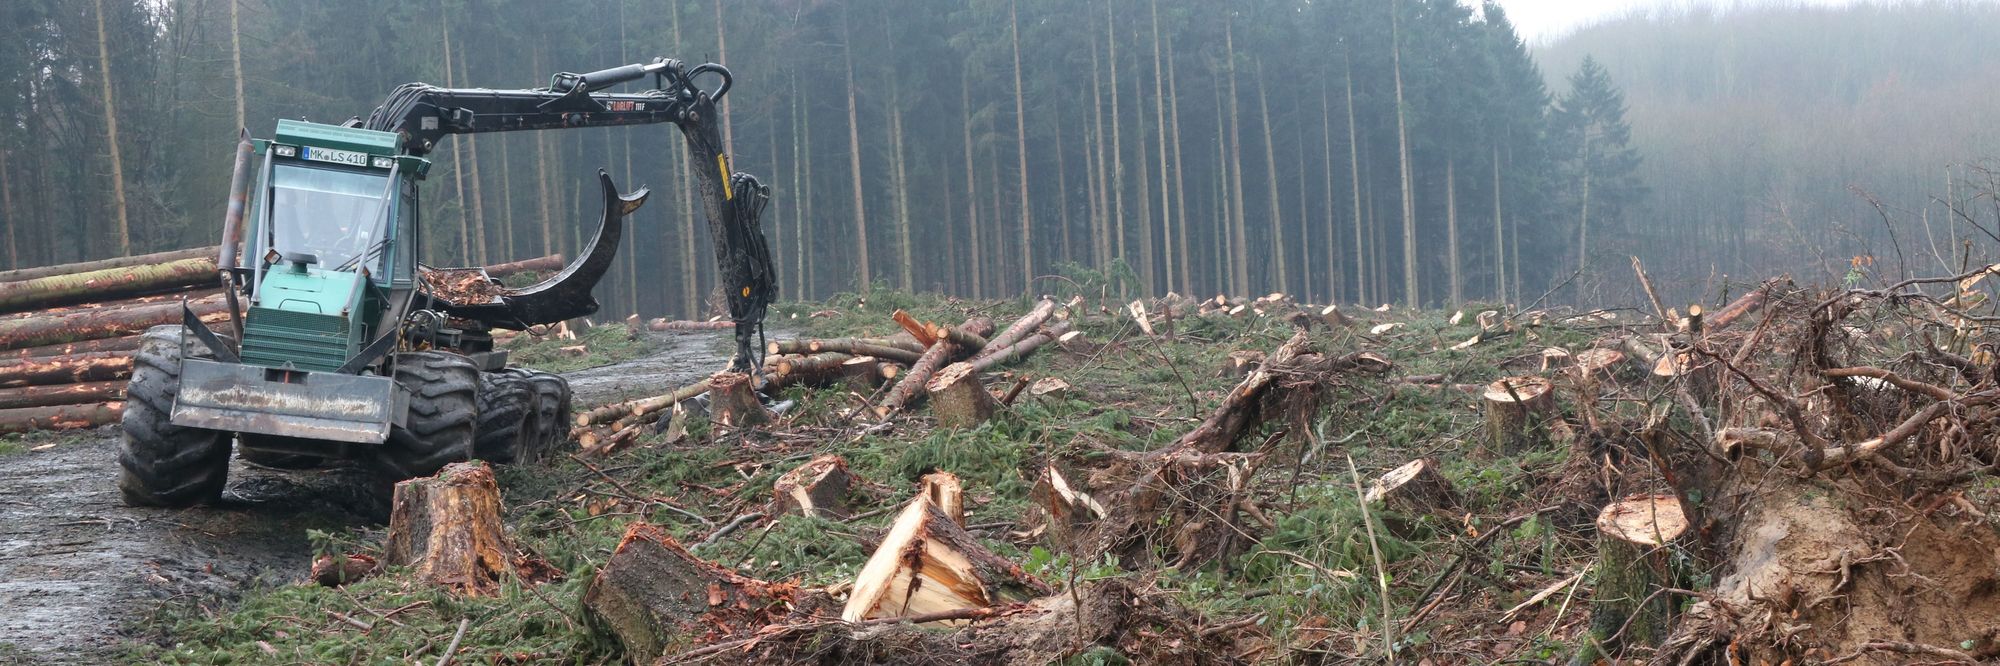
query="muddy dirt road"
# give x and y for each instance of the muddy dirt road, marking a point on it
(80, 572)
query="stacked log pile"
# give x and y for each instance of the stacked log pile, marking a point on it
(68, 332)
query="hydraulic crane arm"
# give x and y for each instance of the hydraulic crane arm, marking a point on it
(421, 114)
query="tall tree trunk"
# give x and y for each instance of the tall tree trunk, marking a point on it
(800, 247)
(632, 252)
(1499, 234)
(683, 179)
(507, 204)
(722, 56)
(1334, 271)
(971, 185)
(236, 60)
(854, 159)
(1160, 122)
(1239, 245)
(457, 161)
(1451, 231)
(901, 180)
(1271, 175)
(1583, 221)
(1117, 151)
(542, 187)
(1100, 217)
(1223, 275)
(7, 211)
(1180, 184)
(1361, 277)
(1062, 192)
(1144, 179)
(111, 135)
(1021, 142)
(1410, 295)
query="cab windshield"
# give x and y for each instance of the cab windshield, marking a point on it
(333, 214)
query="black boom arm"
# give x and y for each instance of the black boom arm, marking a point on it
(733, 202)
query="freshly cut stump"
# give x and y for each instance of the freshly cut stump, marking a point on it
(655, 596)
(1635, 559)
(958, 399)
(1070, 510)
(862, 374)
(817, 488)
(945, 492)
(1599, 363)
(733, 401)
(447, 527)
(1240, 363)
(1410, 493)
(1517, 413)
(928, 563)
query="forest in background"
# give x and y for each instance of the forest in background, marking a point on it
(1350, 151)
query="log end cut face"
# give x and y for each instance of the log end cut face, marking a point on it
(1646, 520)
(1598, 360)
(1518, 389)
(1395, 478)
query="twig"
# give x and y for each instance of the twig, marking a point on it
(728, 529)
(455, 638)
(642, 498)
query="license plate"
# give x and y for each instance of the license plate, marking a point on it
(346, 157)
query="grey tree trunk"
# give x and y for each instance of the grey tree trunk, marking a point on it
(1021, 141)
(111, 135)
(1271, 175)
(862, 273)
(1411, 296)
(1239, 251)
(1160, 121)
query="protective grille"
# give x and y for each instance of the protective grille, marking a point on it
(275, 338)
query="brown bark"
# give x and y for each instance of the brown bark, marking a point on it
(1021, 327)
(1412, 492)
(817, 488)
(62, 417)
(928, 563)
(335, 571)
(653, 595)
(1518, 410)
(447, 528)
(958, 399)
(119, 304)
(71, 369)
(1242, 362)
(106, 284)
(544, 264)
(641, 407)
(910, 388)
(1021, 350)
(733, 401)
(1743, 305)
(170, 256)
(62, 394)
(1634, 562)
(95, 324)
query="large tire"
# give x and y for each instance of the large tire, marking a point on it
(508, 411)
(553, 421)
(444, 403)
(162, 464)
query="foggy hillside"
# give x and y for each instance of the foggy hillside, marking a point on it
(1766, 132)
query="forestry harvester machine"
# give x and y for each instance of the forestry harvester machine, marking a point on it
(340, 345)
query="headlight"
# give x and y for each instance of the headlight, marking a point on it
(382, 162)
(285, 151)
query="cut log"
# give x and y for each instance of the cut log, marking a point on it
(863, 374)
(882, 348)
(968, 342)
(642, 406)
(93, 324)
(122, 344)
(815, 370)
(1021, 350)
(1410, 493)
(958, 399)
(927, 564)
(545, 264)
(21, 274)
(71, 369)
(946, 492)
(1518, 410)
(338, 570)
(114, 305)
(817, 488)
(107, 284)
(664, 325)
(1634, 560)
(918, 330)
(906, 391)
(62, 394)
(1241, 362)
(654, 595)
(61, 417)
(1034, 319)
(447, 528)
(1743, 305)
(1070, 511)
(733, 401)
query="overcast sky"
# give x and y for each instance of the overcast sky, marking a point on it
(1542, 20)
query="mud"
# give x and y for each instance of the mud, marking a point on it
(81, 573)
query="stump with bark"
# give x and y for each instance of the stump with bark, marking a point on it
(817, 488)
(945, 492)
(1411, 492)
(1241, 362)
(447, 527)
(1635, 539)
(928, 563)
(733, 401)
(1068, 509)
(1518, 411)
(655, 596)
(958, 399)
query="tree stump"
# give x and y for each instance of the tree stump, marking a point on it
(1701, 378)
(1599, 363)
(1050, 388)
(1517, 412)
(928, 563)
(958, 399)
(1410, 493)
(862, 374)
(1633, 563)
(817, 488)
(1069, 509)
(656, 596)
(945, 492)
(447, 527)
(733, 401)
(1241, 363)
